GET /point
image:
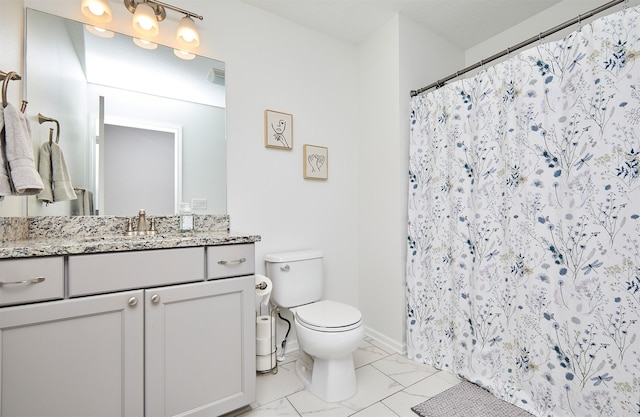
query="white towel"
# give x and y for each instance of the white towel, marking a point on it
(87, 203)
(84, 204)
(18, 153)
(6, 188)
(53, 170)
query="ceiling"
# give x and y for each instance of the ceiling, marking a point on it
(465, 23)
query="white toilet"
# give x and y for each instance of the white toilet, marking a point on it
(328, 331)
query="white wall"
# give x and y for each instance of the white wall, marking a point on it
(378, 118)
(398, 57)
(537, 24)
(274, 64)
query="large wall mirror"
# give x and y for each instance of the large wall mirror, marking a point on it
(139, 128)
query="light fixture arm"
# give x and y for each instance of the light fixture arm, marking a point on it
(176, 9)
(159, 8)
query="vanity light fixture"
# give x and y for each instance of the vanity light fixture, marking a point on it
(97, 10)
(187, 33)
(147, 14)
(145, 19)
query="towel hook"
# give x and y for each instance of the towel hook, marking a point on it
(42, 118)
(11, 75)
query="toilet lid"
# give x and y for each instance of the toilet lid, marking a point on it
(328, 314)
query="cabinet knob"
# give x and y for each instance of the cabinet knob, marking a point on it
(155, 298)
(133, 301)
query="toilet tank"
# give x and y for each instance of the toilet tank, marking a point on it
(296, 277)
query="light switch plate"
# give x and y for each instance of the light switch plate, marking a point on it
(199, 203)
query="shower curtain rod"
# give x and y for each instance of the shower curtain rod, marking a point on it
(568, 23)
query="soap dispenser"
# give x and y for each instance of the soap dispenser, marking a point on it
(186, 218)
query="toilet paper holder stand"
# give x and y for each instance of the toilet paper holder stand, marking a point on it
(266, 362)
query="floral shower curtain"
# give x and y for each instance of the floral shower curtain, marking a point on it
(523, 269)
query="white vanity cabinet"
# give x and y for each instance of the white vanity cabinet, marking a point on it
(200, 347)
(79, 357)
(138, 333)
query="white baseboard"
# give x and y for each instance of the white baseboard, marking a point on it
(385, 342)
(292, 346)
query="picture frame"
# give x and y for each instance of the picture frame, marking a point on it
(316, 162)
(278, 130)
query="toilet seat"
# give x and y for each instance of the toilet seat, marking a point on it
(328, 316)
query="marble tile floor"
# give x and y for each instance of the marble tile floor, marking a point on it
(388, 386)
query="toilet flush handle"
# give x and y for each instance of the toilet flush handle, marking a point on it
(285, 268)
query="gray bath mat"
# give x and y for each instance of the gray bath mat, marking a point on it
(467, 399)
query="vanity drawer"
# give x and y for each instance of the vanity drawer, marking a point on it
(230, 260)
(118, 271)
(29, 280)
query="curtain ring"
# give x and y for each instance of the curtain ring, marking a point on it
(579, 22)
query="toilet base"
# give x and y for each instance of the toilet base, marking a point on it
(330, 380)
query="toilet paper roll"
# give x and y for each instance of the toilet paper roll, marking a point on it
(265, 346)
(263, 294)
(266, 362)
(265, 327)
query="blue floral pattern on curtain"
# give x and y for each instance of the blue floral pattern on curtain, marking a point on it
(523, 266)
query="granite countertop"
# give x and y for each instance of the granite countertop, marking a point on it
(98, 244)
(24, 237)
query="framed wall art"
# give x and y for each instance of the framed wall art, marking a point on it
(316, 162)
(278, 130)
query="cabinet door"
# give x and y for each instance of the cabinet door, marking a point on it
(79, 357)
(200, 347)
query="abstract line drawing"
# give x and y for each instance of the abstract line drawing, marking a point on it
(316, 161)
(278, 130)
